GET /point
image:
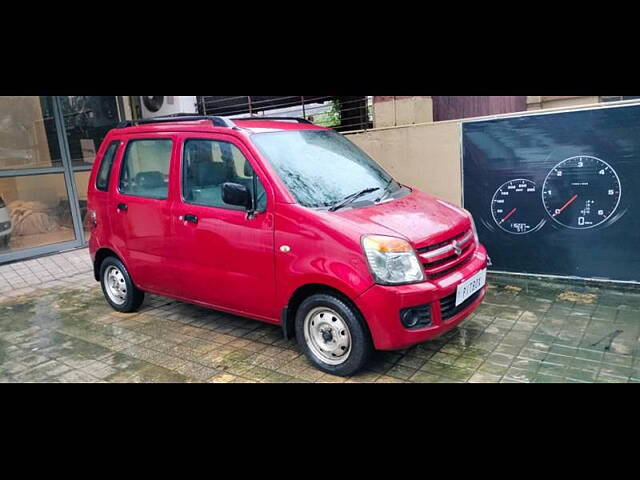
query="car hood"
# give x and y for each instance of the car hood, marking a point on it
(419, 217)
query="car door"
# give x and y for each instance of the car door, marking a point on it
(141, 212)
(226, 257)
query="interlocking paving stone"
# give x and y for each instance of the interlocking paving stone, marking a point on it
(400, 372)
(56, 326)
(480, 377)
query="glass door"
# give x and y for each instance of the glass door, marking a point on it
(35, 213)
(47, 148)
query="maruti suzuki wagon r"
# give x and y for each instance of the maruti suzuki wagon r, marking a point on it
(281, 221)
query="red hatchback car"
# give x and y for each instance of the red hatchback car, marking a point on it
(285, 222)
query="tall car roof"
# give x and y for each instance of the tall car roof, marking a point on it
(257, 125)
(217, 124)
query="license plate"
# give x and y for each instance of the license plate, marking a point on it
(471, 286)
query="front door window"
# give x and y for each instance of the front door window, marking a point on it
(210, 163)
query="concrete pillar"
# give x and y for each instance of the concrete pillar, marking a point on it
(389, 111)
(534, 103)
(384, 111)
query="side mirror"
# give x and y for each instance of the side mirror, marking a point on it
(236, 194)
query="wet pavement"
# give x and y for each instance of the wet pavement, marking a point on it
(525, 331)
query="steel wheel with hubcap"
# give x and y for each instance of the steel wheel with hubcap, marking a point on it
(327, 335)
(117, 286)
(333, 333)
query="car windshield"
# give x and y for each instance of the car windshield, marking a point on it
(321, 167)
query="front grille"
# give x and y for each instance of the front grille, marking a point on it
(448, 307)
(449, 269)
(441, 258)
(435, 246)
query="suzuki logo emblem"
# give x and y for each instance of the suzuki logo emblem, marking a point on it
(456, 247)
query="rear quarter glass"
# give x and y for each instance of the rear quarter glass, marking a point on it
(106, 166)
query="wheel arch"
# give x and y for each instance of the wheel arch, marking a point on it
(101, 254)
(288, 313)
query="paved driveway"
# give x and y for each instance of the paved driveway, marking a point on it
(525, 331)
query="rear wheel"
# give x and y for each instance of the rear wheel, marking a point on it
(117, 286)
(332, 334)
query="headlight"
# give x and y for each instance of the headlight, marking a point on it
(392, 260)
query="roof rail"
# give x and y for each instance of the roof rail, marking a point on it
(216, 121)
(296, 119)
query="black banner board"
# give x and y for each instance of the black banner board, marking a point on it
(557, 193)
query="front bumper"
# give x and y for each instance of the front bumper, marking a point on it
(381, 306)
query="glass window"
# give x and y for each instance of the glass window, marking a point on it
(34, 211)
(28, 134)
(207, 164)
(82, 184)
(87, 119)
(102, 180)
(145, 168)
(321, 167)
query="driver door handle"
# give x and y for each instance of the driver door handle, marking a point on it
(122, 206)
(190, 218)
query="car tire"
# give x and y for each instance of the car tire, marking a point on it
(332, 334)
(117, 286)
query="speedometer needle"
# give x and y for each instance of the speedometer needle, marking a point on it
(569, 202)
(508, 215)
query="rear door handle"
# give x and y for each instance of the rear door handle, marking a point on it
(122, 206)
(190, 218)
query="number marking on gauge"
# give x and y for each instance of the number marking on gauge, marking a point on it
(514, 207)
(569, 202)
(581, 192)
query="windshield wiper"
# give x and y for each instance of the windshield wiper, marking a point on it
(350, 198)
(385, 191)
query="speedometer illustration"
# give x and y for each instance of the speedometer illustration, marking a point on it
(515, 207)
(581, 192)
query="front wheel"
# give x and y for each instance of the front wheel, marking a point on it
(332, 334)
(117, 286)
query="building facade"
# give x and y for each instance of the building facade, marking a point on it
(48, 145)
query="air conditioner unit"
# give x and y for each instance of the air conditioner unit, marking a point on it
(163, 106)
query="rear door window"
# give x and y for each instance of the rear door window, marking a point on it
(145, 168)
(102, 179)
